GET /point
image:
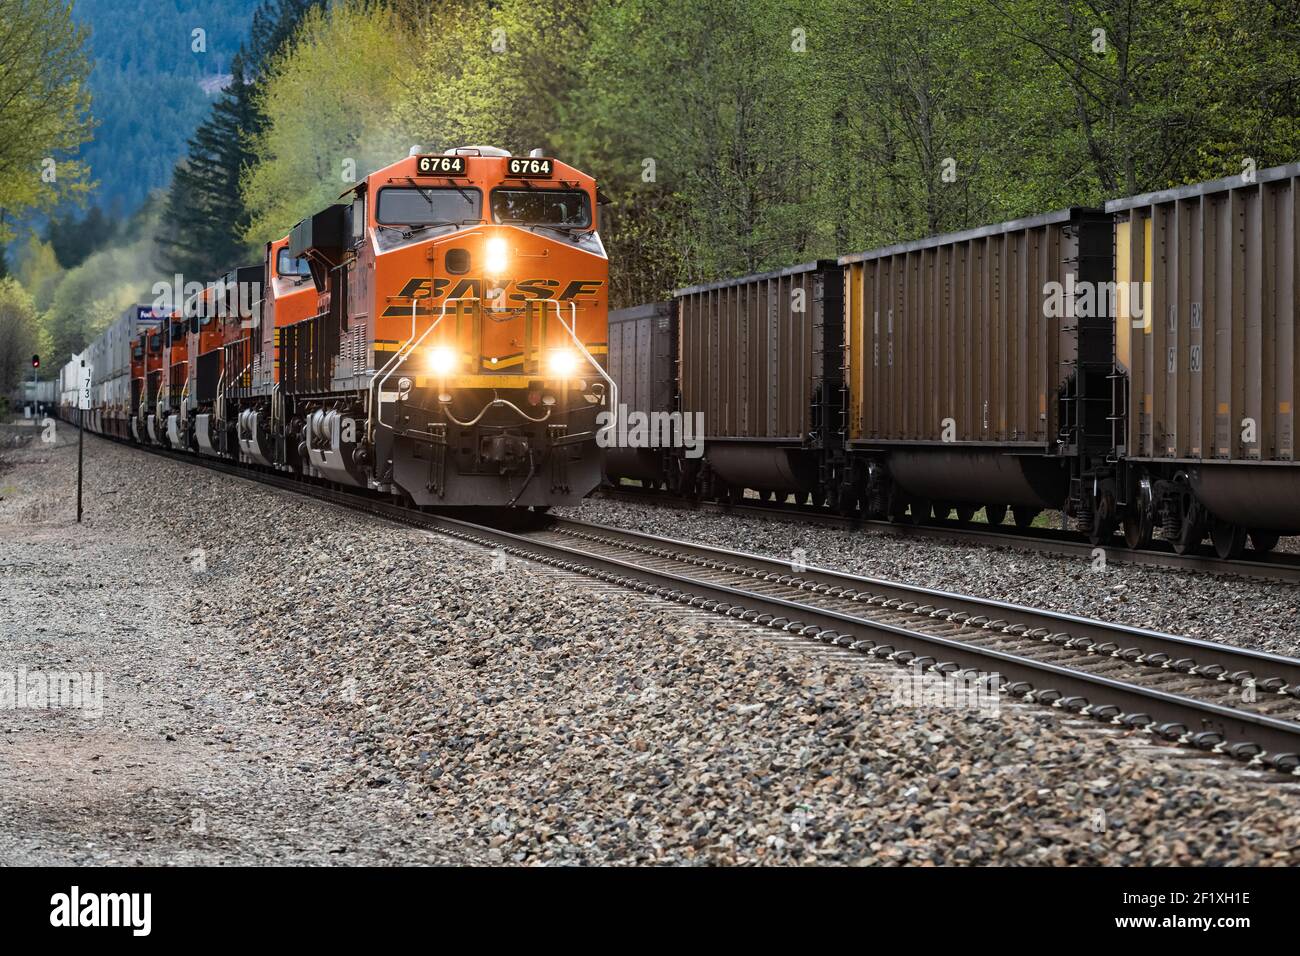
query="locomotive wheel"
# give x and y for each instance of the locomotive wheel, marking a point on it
(818, 499)
(996, 514)
(1264, 541)
(1229, 539)
(965, 513)
(1024, 515)
(847, 504)
(1137, 530)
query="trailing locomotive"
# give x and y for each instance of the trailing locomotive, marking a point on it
(1133, 367)
(438, 335)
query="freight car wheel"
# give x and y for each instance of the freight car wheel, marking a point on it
(996, 514)
(1229, 539)
(1137, 530)
(1187, 538)
(1264, 541)
(1103, 520)
(920, 509)
(847, 505)
(942, 510)
(966, 513)
(1024, 516)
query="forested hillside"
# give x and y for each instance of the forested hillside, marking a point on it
(147, 85)
(730, 135)
(737, 135)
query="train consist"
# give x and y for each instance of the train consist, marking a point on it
(437, 336)
(1134, 367)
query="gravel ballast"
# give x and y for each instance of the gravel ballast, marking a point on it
(326, 687)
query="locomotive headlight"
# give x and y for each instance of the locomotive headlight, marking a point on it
(495, 260)
(442, 360)
(562, 362)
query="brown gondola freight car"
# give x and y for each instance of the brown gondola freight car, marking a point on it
(642, 360)
(1209, 369)
(760, 359)
(977, 371)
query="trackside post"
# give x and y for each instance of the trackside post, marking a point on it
(83, 405)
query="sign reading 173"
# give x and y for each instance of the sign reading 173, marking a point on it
(83, 387)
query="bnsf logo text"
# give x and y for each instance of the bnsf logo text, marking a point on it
(520, 290)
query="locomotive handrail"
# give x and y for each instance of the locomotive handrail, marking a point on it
(376, 385)
(573, 334)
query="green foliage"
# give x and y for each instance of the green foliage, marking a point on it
(20, 335)
(38, 270)
(738, 135)
(325, 102)
(43, 107)
(74, 238)
(495, 72)
(83, 300)
(205, 218)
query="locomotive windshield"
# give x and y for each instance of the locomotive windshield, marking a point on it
(564, 209)
(424, 206)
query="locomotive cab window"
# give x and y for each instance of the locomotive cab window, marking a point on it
(561, 208)
(287, 265)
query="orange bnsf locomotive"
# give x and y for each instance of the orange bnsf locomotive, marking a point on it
(452, 358)
(439, 335)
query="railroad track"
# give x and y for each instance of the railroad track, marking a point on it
(1233, 701)
(1276, 567)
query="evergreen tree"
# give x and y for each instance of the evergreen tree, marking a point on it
(273, 24)
(73, 239)
(205, 218)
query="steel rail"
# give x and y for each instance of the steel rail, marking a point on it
(1277, 567)
(1272, 673)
